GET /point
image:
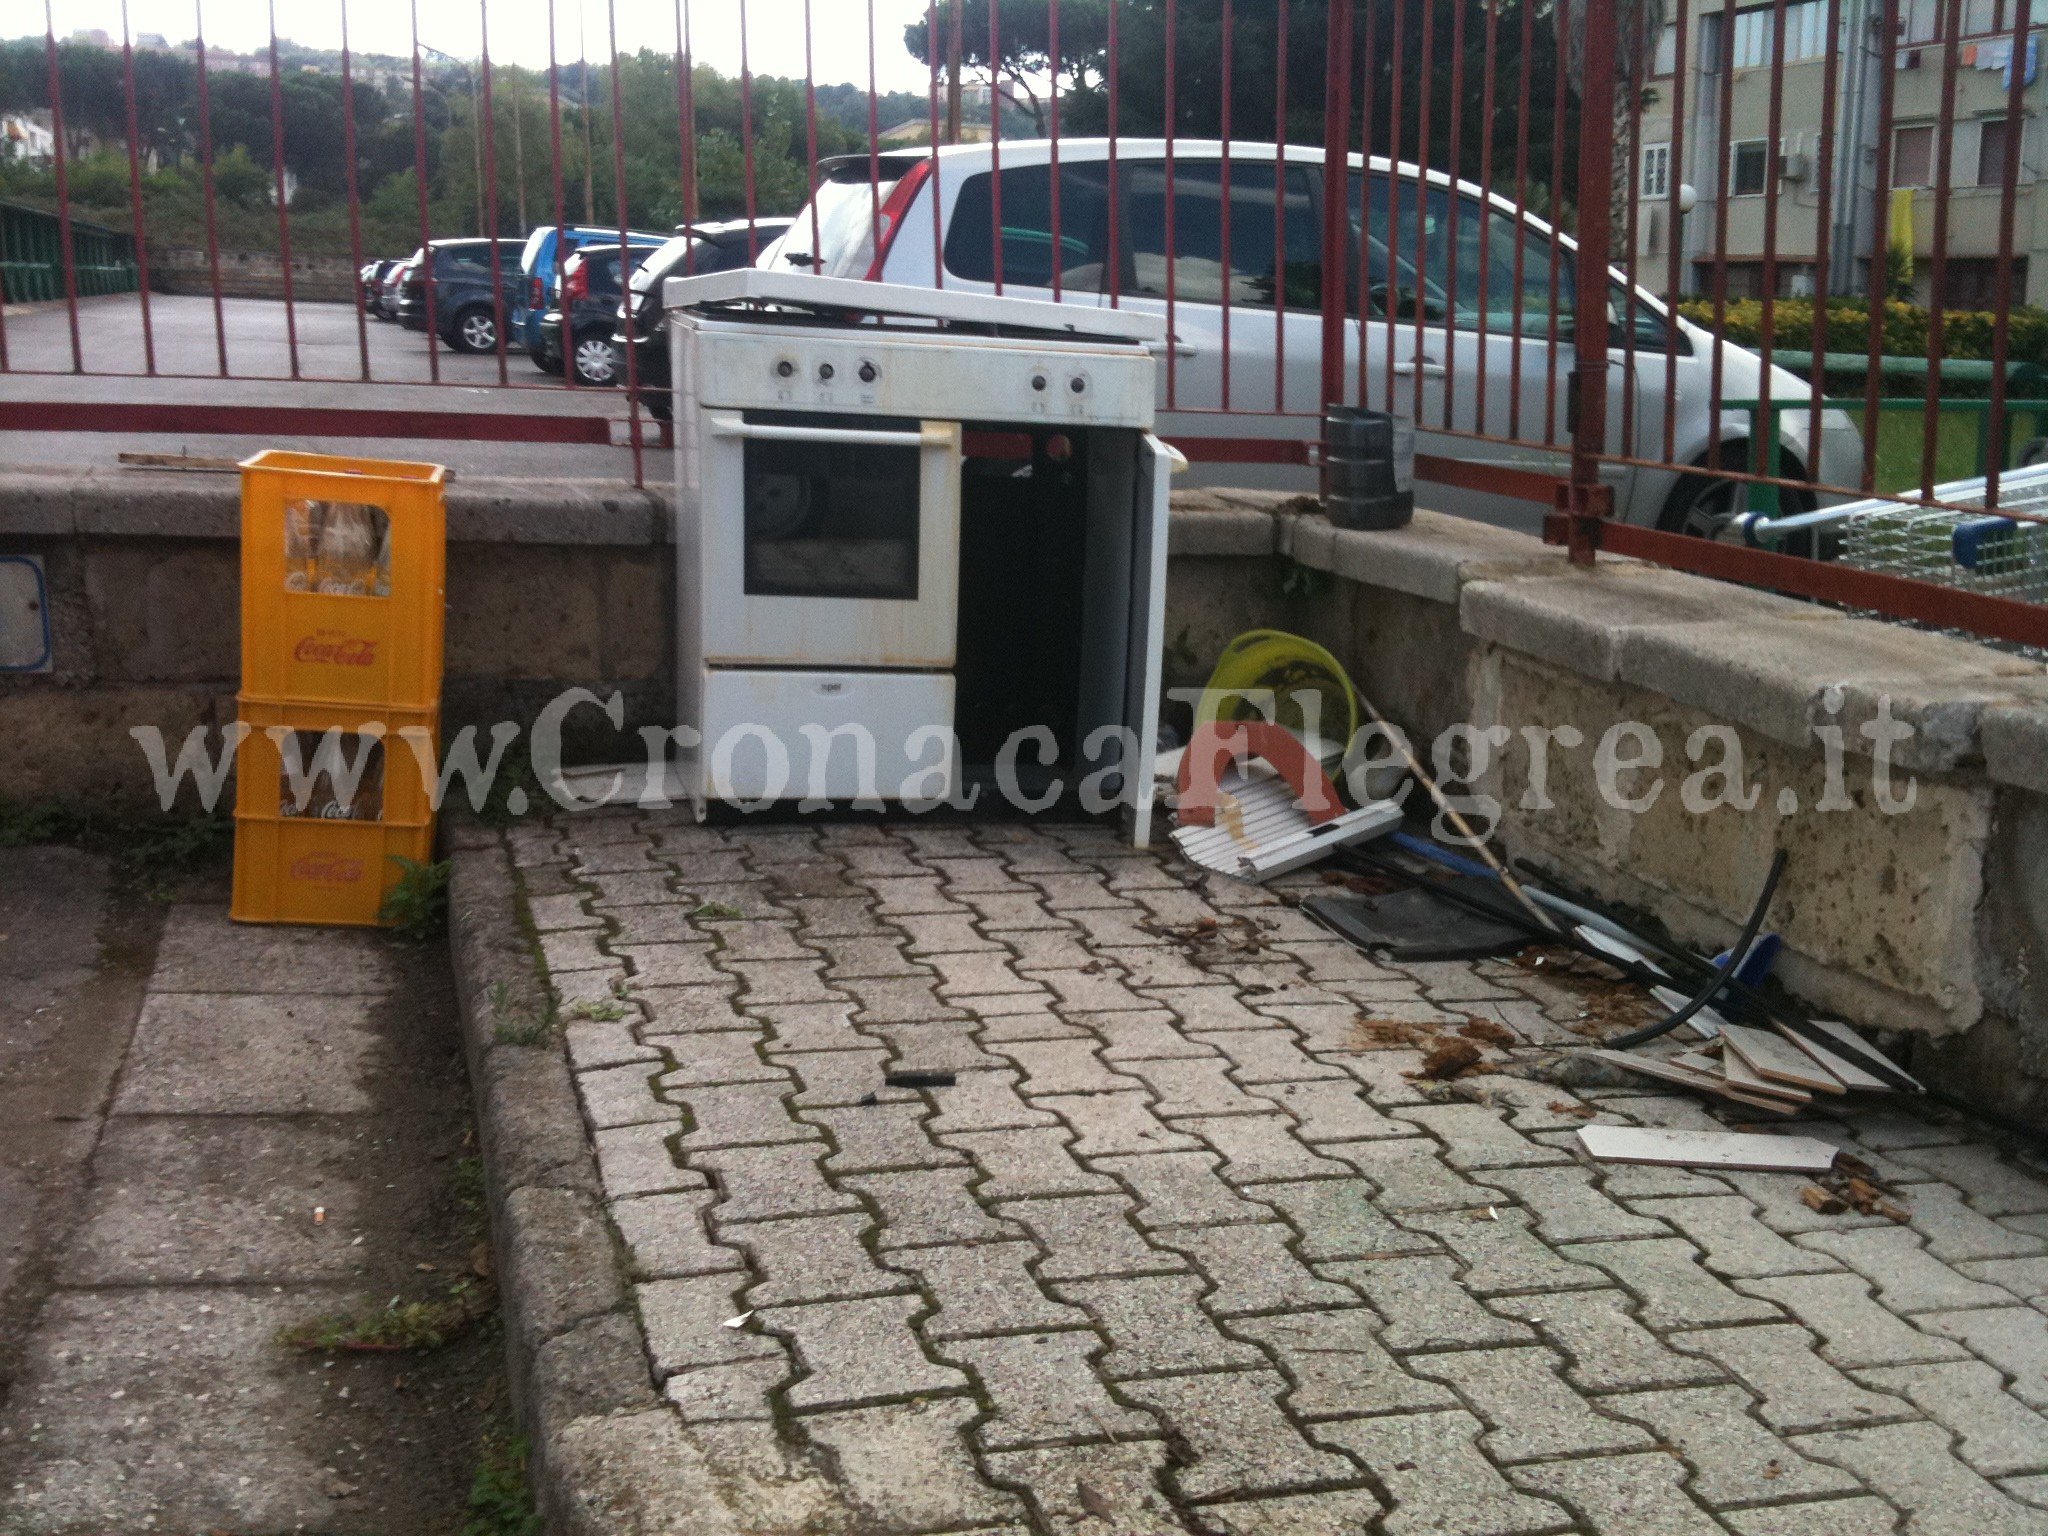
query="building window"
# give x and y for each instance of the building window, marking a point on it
(1913, 156)
(1806, 34)
(1991, 152)
(1749, 167)
(1791, 279)
(1656, 170)
(1666, 61)
(1971, 282)
(1920, 20)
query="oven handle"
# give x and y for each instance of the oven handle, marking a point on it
(935, 434)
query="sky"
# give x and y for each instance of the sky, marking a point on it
(519, 30)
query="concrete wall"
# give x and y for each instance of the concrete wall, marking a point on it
(252, 274)
(1932, 920)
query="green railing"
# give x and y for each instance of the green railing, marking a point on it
(32, 256)
(1962, 445)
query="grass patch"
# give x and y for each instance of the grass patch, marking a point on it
(416, 909)
(610, 1011)
(500, 1502)
(400, 1327)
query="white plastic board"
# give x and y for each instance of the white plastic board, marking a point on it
(1778, 1059)
(1261, 832)
(1707, 1149)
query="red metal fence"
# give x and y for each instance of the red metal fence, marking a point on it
(1529, 192)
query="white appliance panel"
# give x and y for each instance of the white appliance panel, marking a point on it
(892, 728)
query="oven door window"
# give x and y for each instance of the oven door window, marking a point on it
(831, 520)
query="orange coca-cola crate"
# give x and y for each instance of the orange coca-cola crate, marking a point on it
(327, 801)
(344, 566)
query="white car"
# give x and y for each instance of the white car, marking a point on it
(1468, 308)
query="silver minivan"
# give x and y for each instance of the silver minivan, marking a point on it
(1445, 290)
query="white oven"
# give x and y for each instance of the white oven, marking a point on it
(912, 529)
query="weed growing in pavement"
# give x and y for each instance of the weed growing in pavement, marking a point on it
(400, 1326)
(609, 1011)
(466, 1185)
(514, 778)
(501, 998)
(145, 851)
(417, 907)
(500, 1503)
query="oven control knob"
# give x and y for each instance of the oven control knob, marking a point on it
(825, 373)
(869, 373)
(1038, 383)
(785, 369)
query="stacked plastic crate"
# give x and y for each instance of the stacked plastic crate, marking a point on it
(343, 571)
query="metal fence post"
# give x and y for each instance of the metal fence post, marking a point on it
(1336, 156)
(1587, 499)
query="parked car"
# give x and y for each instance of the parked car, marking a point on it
(1506, 296)
(463, 311)
(693, 249)
(539, 262)
(392, 287)
(370, 283)
(587, 291)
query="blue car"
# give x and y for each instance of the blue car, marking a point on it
(537, 264)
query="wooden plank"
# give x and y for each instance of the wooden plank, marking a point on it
(1779, 1060)
(1846, 1042)
(1707, 1149)
(1705, 1082)
(1740, 1074)
(1851, 1075)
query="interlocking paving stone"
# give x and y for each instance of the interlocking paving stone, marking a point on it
(874, 1448)
(836, 916)
(671, 965)
(809, 1258)
(979, 973)
(1827, 1517)
(810, 1027)
(566, 910)
(910, 894)
(594, 1043)
(740, 1115)
(790, 981)
(1086, 1236)
(1735, 1459)
(739, 1392)
(760, 939)
(1007, 1016)
(1908, 1278)
(1337, 1220)
(635, 1160)
(1532, 1413)
(1333, 1110)
(716, 1057)
(624, 1096)
(1569, 1208)
(984, 1101)
(876, 1138)
(1259, 1057)
(1112, 1123)
(983, 1288)
(1262, 1149)
(1411, 1176)
(1954, 1232)
(899, 1000)
(1439, 1482)
(1799, 1390)
(691, 1010)
(1001, 914)
(937, 1047)
(1208, 1008)
(865, 955)
(665, 1236)
(1197, 1086)
(1181, 1189)
(1342, 1512)
(576, 949)
(1155, 965)
(1476, 1136)
(1675, 1289)
(1911, 1465)
(1853, 1329)
(858, 1351)
(1066, 1067)
(1253, 1269)
(685, 1323)
(1241, 1442)
(1028, 1162)
(1044, 1390)
(1501, 1254)
(2033, 1490)
(942, 933)
(2024, 1278)
(1988, 1182)
(1155, 1324)
(1424, 1305)
(833, 1079)
(1093, 989)
(2015, 1339)
(1154, 1035)
(1733, 1242)
(926, 1206)
(1338, 1364)
(1642, 1495)
(758, 1183)
(1997, 1433)
(1608, 1349)
(1091, 1490)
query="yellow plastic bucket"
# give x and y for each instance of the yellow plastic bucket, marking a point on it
(1310, 692)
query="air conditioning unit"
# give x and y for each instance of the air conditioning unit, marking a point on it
(1793, 167)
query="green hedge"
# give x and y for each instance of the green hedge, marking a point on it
(1966, 333)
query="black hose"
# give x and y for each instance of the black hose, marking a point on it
(1720, 978)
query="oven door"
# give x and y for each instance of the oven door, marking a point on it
(830, 545)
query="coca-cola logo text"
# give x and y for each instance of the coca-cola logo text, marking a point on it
(352, 651)
(328, 869)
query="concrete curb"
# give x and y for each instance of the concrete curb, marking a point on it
(575, 1354)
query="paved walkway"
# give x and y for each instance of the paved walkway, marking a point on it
(1186, 1246)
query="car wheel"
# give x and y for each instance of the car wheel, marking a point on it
(475, 331)
(597, 364)
(1706, 506)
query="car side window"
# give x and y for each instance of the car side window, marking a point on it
(1472, 268)
(1198, 258)
(1028, 257)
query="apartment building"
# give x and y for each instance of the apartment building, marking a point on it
(1740, 175)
